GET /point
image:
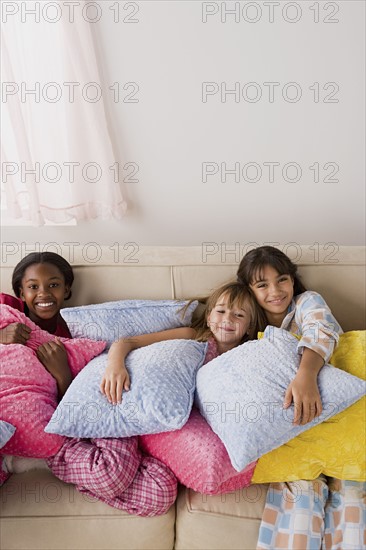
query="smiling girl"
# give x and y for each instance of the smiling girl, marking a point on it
(329, 513)
(41, 282)
(229, 318)
(275, 283)
(112, 470)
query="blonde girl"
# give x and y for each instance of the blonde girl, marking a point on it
(229, 317)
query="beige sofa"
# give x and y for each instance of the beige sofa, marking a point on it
(40, 512)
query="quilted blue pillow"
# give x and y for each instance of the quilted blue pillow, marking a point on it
(113, 320)
(163, 378)
(240, 394)
(6, 432)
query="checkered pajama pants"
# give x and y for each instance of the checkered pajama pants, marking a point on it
(314, 515)
(115, 472)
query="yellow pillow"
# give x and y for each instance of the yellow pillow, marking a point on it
(336, 447)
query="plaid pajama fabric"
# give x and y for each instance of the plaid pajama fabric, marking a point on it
(310, 515)
(115, 472)
(345, 516)
(310, 317)
(321, 514)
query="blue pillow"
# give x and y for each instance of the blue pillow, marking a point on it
(113, 320)
(163, 379)
(240, 394)
(6, 432)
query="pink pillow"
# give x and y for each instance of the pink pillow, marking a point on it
(197, 457)
(28, 392)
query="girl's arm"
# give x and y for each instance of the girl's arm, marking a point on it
(15, 333)
(116, 378)
(303, 390)
(319, 336)
(319, 329)
(53, 357)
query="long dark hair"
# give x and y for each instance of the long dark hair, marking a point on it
(252, 265)
(42, 258)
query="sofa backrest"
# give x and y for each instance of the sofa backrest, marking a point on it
(130, 271)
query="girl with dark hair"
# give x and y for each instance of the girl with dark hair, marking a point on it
(42, 258)
(273, 279)
(329, 513)
(112, 470)
(252, 265)
(41, 282)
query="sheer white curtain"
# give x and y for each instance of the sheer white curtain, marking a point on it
(57, 157)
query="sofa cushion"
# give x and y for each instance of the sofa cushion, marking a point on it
(28, 392)
(197, 457)
(219, 522)
(160, 399)
(39, 512)
(113, 320)
(240, 393)
(336, 447)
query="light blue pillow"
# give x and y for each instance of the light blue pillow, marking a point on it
(113, 320)
(6, 432)
(240, 394)
(163, 378)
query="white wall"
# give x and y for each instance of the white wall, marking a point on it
(169, 52)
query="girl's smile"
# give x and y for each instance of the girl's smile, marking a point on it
(274, 293)
(277, 301)
(229, 324)
(43, 290)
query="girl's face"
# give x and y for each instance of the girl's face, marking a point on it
(229, 325)
(273, 293)
(43, 289)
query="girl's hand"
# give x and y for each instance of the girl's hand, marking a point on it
(53, 357)
(114, 381)
(116, 378)
(304, 393)
(15, 333)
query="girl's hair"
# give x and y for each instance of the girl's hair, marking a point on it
(253, 263)
(237, 293)
(42, 258)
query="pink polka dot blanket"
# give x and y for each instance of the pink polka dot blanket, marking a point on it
(28, 392)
